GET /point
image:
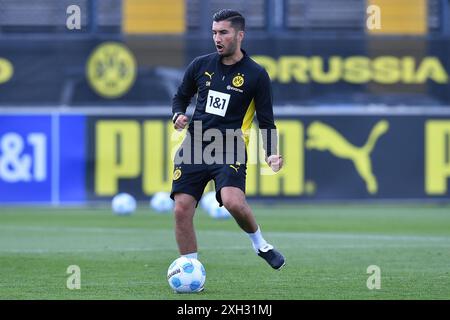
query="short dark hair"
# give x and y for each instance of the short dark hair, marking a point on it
(236, 19)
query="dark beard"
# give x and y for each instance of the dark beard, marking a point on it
(231, 51)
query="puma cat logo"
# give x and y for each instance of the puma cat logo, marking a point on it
(235, 168)
(325, 138)
(209, 75)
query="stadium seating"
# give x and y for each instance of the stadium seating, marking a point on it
(168, 34)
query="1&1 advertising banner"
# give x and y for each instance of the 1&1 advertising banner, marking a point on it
(42, 159)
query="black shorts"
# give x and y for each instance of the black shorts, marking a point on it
(193, 178)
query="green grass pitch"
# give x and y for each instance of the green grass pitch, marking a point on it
(328, 249)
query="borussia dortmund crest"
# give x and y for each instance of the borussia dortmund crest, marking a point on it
(176, 174)
(238, 80)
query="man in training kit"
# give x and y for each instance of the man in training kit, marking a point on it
(230, 88)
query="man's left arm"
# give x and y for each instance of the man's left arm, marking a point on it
(264, 114)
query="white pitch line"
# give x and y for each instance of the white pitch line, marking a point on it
(299, 235)
(226, 248)
(355, 236)
(72, 229)
(340, 236)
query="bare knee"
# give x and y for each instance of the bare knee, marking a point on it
(235, 206)
(234, 201)
(183, 212)
(184, 208)
(181, 208)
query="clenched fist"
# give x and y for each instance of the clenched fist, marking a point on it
(180, 122)
(275, 161)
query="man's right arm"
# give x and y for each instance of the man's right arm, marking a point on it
(185, 91)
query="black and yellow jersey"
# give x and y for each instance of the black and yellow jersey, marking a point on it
(228, 96)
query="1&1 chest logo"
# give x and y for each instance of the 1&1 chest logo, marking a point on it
(217, 103)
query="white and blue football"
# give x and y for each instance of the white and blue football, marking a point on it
(161, 202)
(217, 212)
(123, 204)
(186, 275)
